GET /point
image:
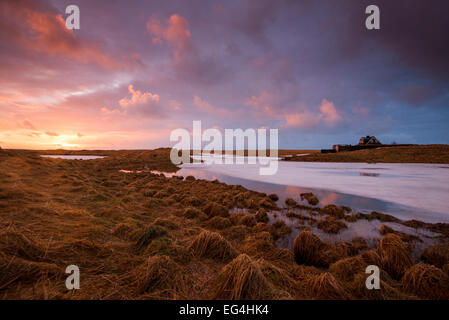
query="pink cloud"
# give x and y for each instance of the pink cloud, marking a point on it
(329, 113)
(301, 119)
(175, 105)
(263, 104)
(41, 28)
(176, 32)
(188, 63)
(137, 98)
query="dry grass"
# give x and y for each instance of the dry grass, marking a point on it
(331, 225)
(306, 249)
(337, 212)
(310, 197)
(388, 289)
(219, 223)
(213, 245)
(426, 281)
(438, 255)
(346, 269)
(394, 255)
(371, 257)
(411, 154)
(149, 234)
(326, 286)
(192, 213)
(15, 269)
(145, 236)
(161, 276)
(242, 279)
(262, 216)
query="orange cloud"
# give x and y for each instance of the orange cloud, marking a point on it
(137, 97)
(176, 32)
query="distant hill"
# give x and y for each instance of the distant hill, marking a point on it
(432, 153)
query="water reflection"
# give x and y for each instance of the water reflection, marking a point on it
(326, 197)
(369, 174)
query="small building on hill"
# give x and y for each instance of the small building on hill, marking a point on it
(368, 140)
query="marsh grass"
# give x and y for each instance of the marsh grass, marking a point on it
(145, 236)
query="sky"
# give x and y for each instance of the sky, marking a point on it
(136, 70)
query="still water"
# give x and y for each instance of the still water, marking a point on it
(407, 191)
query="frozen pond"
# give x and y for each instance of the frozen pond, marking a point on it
(408, 191)
(73, 157)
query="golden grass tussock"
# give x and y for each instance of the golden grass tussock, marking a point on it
(326, 286)
(331, 253)
(291, 202)
(346, 269)
(166, 223)
(159, 273)
(150, 233)
(310, 197)
(123, 231)
(426, 281)
(371, 257)
(335, 211)
(267, 203)
(331, 225)
(219, 223)
(262, 216)
(394, 255)
(306, 249)
(192, 213)
(214, 209)
(248, 220)
(389, 290)
(384, 230)
(278, 277)
(242, 279)
(213, 245)
(258, 244)
(303, 272)
(438, 255)
(273, 197)
(281, 229)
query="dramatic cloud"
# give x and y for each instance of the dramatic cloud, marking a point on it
(187, 62)
(309, 68)
(37, 27)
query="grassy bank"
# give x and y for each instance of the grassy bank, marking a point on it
(144, 236)
(411, 154)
